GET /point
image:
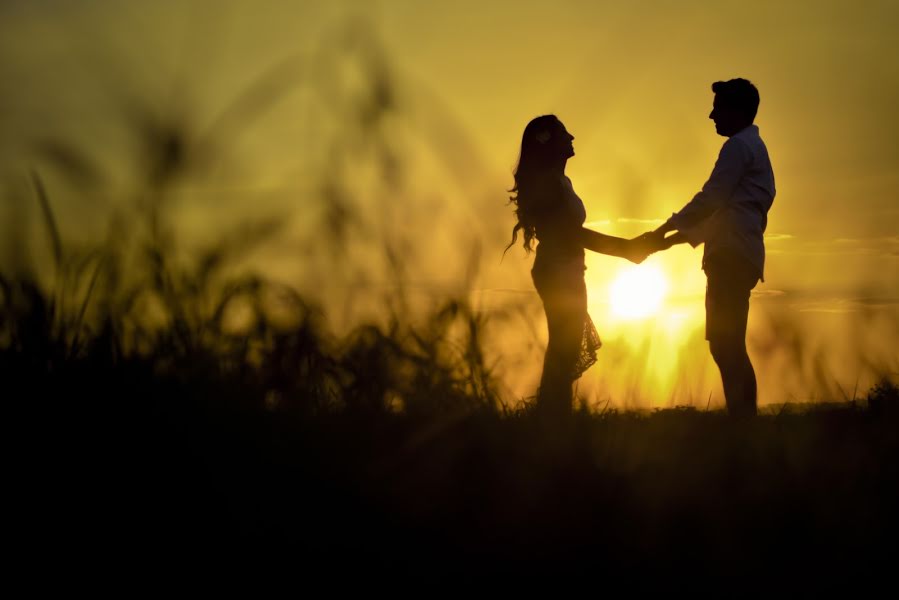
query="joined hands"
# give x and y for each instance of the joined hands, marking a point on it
(640, 247)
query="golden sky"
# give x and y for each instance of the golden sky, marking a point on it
(631, 81)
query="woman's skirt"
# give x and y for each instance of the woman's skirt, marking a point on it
(573, 339)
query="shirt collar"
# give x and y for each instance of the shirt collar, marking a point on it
(748, 130)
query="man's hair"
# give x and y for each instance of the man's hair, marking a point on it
(739, 94)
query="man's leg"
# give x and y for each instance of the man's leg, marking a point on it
(737, 375)
(730, 282)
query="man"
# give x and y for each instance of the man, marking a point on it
(729, 216)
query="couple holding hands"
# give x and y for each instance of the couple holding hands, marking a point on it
(728, 215)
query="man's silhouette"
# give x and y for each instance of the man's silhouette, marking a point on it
(729, 216)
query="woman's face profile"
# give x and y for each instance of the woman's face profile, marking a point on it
(561, 141)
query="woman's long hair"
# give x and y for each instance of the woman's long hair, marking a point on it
(537, 156)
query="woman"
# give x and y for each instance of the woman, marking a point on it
(549, 210)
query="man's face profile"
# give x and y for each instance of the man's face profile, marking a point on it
(728, 119)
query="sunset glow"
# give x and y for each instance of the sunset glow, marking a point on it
(638, 292)
(362, 155)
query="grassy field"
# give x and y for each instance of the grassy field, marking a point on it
(388, 452)
(169, 407)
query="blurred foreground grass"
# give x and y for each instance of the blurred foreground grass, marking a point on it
(166, 404)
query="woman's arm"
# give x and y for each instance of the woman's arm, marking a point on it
(608, 244)
(635, 250)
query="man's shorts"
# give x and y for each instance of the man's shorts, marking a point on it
(730, 279)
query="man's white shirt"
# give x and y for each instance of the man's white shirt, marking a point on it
(730, 213)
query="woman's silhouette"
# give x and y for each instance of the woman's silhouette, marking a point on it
(549, 210)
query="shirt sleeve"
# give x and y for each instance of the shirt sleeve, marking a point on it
(730, 167)
(695, 234)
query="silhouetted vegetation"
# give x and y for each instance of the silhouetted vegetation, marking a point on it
(169, 430)
(177, 405)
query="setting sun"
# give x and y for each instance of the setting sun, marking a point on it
(638, 292)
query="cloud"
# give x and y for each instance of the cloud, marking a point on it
(887, 246)
(767, 293)
(848, 305)
(889, 240)
(876, 247)
(641, 221)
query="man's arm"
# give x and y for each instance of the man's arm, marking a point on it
(672, 240)
(729, 169)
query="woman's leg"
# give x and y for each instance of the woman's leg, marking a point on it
(565, 307)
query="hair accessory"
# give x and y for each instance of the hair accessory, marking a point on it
(543, 136)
